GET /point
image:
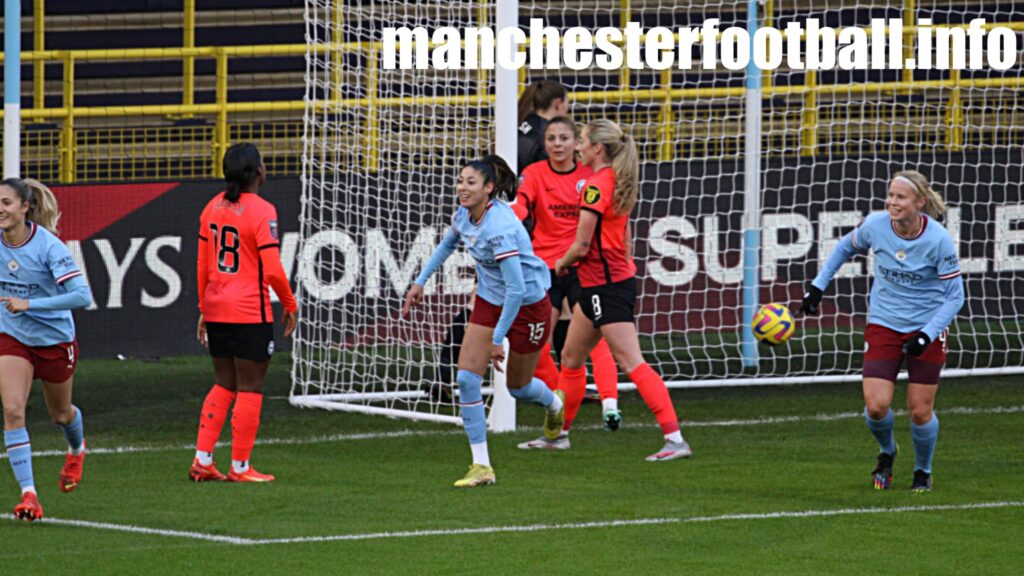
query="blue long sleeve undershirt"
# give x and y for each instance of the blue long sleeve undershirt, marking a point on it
(515, 289)
(953, 296)
(78, 295)
(448, 245)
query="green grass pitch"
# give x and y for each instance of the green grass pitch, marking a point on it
(779, 484)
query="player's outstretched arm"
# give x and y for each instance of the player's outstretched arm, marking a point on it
(437, 259)
(846, 249)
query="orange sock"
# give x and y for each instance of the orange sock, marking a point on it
(546, 369)
(574, 383)
(211, 419)
(652, 389)
(245, 421)
(606, 373)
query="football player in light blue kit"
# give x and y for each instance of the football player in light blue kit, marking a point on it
(916, 293)
(511, 300)
(39, 286)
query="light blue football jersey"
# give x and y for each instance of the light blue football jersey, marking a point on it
(917, 284)
(497, 236)
(37, 268)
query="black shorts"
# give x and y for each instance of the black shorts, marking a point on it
(246, 341)
(564, 287)
(609, 303)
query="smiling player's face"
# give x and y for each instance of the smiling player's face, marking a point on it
(471, 189)
(903, 203)
(12, 209)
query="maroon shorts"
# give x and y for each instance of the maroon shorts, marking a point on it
(530, 329)
(49, 363)
(883, 356)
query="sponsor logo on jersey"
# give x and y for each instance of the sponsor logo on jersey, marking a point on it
(900, 277)
(592, 195)
(525, 128)
(273, 230)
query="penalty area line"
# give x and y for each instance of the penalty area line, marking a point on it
(525, 528)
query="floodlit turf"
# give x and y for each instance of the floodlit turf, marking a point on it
(678, 517)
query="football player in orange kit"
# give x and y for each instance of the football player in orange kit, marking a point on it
(607, 276)
(549, 197)
(239, 257)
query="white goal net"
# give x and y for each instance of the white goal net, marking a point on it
(382, 149)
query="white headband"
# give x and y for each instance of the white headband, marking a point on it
(905, 180)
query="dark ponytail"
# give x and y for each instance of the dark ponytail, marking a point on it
(242, 164)
(505, 180)
(539, 96)
(495, 170)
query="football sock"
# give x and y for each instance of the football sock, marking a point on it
(474, 419)
(573, 382)
(19, 454)
(211, 421)
(883, 431)
(609, 404)
(546, 370)
(245, 422)
(74, 433)
(537, 392)
(606, 373)
(240, 466)
(480, 453)
(652, 389)
(924, 436)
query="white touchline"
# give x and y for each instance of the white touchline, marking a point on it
(791, 514)
(767, 420)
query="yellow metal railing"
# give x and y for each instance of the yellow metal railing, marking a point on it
(665, 98)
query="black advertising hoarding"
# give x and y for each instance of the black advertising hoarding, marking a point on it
(137, 244)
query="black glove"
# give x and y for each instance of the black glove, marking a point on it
(811, 300)
(917, 344)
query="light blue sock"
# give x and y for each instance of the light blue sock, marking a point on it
(536, 391)
(73, 431)
(471, 404)
(883, 431)
(924, 437)
(19, 452)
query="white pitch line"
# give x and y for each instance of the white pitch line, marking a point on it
(792, 514)
(141, 530)
(765, 421)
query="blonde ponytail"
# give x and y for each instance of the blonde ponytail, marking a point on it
(43, 209)
(621, 151)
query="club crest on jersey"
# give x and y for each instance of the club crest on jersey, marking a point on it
(579, 186)
(273, 229)
(591, 195)
(13, 266)
(901, 255)
(471, 240)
